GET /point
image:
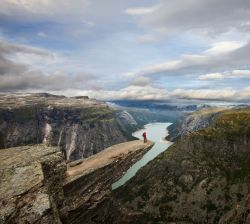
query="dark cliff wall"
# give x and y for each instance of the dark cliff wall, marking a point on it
(88, 196)
(35, 187)
(193, 122)
(203, 178)
(80, 127)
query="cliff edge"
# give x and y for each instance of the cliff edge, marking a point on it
(202, 178)
(35, 187)
(79, 126)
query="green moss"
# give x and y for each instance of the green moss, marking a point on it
(96, 114)
(26, 112)
(95, 119)
(229, 125)
(217, 147)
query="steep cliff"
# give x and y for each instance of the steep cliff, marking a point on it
(31, 185)
(35, 187)
(127, 123)
(88, 194)
(79, 126)
(193, 122)
(203, 178)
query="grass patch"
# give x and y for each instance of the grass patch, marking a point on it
(96, 114)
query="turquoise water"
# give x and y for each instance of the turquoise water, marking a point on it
(156, 132)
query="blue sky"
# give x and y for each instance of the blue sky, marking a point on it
(114, 49)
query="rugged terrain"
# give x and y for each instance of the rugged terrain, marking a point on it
(79, 126)
(203, 178)
(35, 187)
(193, 122)
(31, 185)
(145, 112)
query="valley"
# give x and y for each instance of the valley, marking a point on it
(76, 160)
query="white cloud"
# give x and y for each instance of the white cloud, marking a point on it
(211, 94)
(224, 47)
(152, 93)
(220, 55)
(211, 76)
(140, 10)
(141, 81)
(207, 17)
(130, 92)
(35, 9)
(19, 71)
(244, 94)
(241, 73)
(224, 75)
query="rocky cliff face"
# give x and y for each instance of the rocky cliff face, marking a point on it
(35, 187)
(88, 186)
(31, 185)
(203, 178)
(127, 123)
(193, 122)
(79, 126)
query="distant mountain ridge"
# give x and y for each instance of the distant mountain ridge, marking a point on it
(80, 126)
(203, 178)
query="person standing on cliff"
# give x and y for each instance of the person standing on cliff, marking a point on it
(144, 135)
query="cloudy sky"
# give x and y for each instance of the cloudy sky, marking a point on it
(116, 49)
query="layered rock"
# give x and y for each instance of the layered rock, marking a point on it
(31, 185)
(79, 126)
(35, 187)
(127, 123)
(193, 122)
(203, 178)
(88, 185)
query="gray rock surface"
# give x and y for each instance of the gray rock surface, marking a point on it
(88, 194)
(35, 187)
(127, 123)
(79, 126)
(31, 184)
(193, 122)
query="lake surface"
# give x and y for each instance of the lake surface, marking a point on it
(156, 132)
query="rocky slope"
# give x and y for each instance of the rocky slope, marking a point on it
(127, 123)
(35, 187)
(31, 185)
(193, 122)
(79, 126)
(88, 186)
(203, 178)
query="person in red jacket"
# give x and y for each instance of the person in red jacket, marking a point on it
(144, 137)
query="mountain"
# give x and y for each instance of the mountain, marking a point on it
(191, 122)
(156, 105)
(80, 126)
(37, 186)
(203, 178)
(145, 112)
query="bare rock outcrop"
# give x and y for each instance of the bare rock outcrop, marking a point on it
(193, 122)
(35, 187)
(88, 193)
(79, 126)
(31, 185)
